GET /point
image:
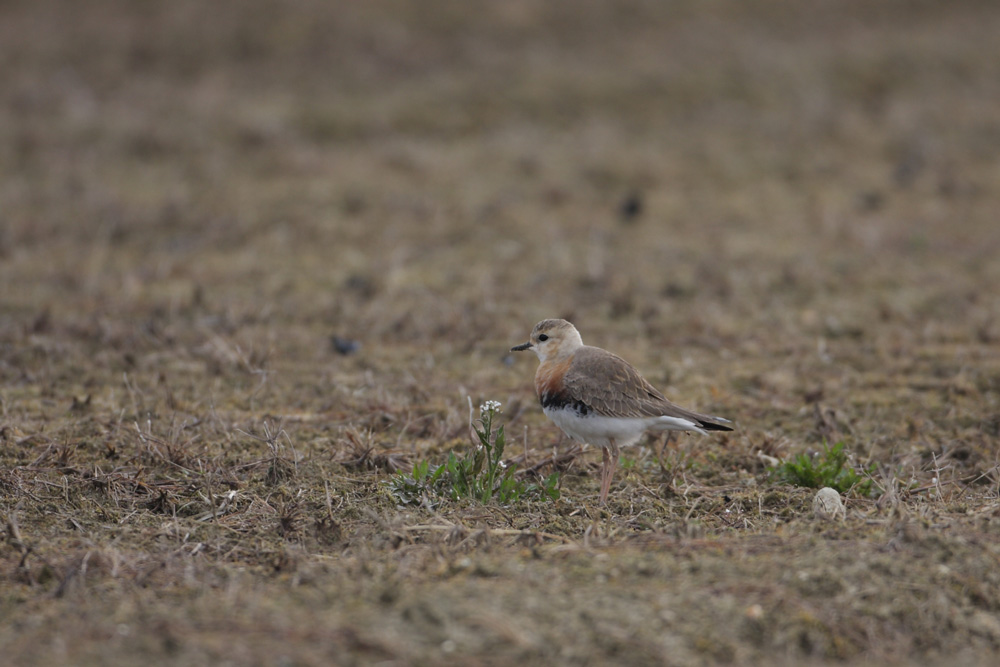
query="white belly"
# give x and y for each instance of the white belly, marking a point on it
(600, 431)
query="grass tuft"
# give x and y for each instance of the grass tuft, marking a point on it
(482, 474)
(828, 468)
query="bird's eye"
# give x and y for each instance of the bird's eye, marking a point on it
(543, 338)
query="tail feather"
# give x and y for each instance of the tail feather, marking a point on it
(690, 421)
(715, 426)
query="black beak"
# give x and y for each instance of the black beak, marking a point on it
(521, 348)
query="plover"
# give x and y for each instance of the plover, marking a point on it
(598, 398)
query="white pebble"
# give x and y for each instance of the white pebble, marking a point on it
(828, 505)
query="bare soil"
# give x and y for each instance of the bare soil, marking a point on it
(257, 256)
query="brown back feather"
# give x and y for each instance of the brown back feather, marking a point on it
(612, 387)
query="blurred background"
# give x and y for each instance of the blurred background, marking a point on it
(483, 164)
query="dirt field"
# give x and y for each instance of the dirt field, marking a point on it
(782, 212)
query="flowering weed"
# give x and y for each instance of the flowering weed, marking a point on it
(481, 474)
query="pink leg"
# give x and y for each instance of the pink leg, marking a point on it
(605, 480)
(609, 463)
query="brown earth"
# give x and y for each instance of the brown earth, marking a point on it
(782, 212)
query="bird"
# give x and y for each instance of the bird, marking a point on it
(598, 398)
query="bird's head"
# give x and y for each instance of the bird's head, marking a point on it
(551, 339)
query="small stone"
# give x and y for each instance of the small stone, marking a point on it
(631, 207)
(984, 624)
(345, 346)
(767, 460)
(828, 505)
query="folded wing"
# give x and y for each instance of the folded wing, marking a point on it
(612, 387)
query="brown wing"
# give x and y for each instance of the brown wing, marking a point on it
(611, 387)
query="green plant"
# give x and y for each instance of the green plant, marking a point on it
(481, 474)
(628, 463)
(828, 468)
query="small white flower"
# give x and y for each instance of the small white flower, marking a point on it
(489, 406)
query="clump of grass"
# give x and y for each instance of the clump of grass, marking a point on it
(279, 467)
(828, 468)
(481, 474)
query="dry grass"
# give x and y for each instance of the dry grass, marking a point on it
(255, 255)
